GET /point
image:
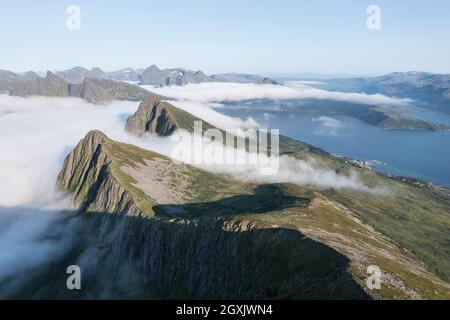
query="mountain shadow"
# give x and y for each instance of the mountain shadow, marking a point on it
(204, 258)
(266, 198)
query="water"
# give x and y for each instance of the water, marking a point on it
(421, 154)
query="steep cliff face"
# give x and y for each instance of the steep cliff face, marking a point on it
(204, 256)
(161, 118)
(212, 258)
(166, 230)
(88, 175)
(152, 116)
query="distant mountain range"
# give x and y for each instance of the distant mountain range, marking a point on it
(101, 90)
(433, 89)
(91, 89)
(149, 76)
(8, 79)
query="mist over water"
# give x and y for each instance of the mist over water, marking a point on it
(420, 154)
(36, 134)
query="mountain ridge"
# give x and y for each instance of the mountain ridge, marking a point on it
(93, 90)
(107, 176)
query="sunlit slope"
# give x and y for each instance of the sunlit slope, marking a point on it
(105, 176)
(414, 214)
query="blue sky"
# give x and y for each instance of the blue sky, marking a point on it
(258, 36)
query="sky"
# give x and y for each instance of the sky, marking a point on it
(254, 36)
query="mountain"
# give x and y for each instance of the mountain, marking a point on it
(103, 90)
(236, 78)
(90, 89)
(181, 232)
(166, 77)
(382, 117)
(30, 75)
(161, 118)
(8, 79)
(241, 78)
(50, 86)
(127, 74)
(427, 87)
(150, 76)
(78, 74)
(269, 81)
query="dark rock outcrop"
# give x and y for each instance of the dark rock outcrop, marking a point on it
(160, 117)
(152, 116)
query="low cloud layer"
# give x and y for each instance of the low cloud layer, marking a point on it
(219, 92)
(328, 126)
(36, 134)
(205, 112)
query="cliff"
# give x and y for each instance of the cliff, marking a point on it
(179, 232)
(161, 118)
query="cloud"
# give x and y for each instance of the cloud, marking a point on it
(35, 136)
(220, 92)
(37, 133)
(205, 112)
(328, 126)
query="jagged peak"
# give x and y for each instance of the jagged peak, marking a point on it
(96, 137)
(92, 140)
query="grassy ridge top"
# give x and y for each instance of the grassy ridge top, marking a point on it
(367, 228)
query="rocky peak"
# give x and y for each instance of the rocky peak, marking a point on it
(153, 116)
(94, 138)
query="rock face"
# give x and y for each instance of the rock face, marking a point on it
(167, 230)
(161, 118)
(93, 90)
(199, 257)
(50, 86)
(152, 116)
(87, 174)
(157, 77)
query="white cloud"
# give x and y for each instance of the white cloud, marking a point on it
(218, 92)
(328, 126)
(205, 112)
(36, 134)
